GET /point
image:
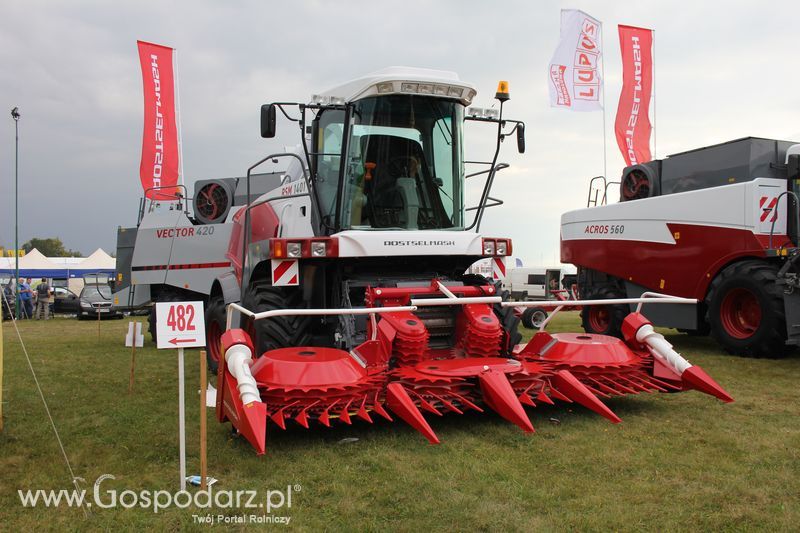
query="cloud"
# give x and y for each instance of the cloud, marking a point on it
(724, 70)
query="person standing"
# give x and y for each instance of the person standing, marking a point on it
(43, 293)
(26, 298)
(9, 300)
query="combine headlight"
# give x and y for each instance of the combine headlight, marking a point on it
(407, 87)
(502, 248)
(488, 247)
(318, 249)
(294, 249)
(385, 87)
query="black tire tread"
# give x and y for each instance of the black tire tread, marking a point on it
(277, 332)
(618, 312)
(509, 321)
(772, 341)
(151, 317)
(527, 317)
(215, 312)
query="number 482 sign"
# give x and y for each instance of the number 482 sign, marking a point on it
(180, 325)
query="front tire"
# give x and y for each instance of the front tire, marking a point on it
(509, 322)
(277, 332)
(746, 310)
(603, 319)
(215, 327)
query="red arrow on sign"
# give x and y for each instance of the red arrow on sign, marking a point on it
(178, 341)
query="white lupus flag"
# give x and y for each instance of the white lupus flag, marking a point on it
(575, 77)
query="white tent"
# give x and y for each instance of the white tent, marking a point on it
(98, 261)
(35, 265)
(35, 260)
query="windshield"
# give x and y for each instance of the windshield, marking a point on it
(405, 164)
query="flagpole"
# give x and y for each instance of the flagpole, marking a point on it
(603, 74)
(178, 119)
(655, 144)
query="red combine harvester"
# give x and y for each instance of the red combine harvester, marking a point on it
(342, 291)
(717, 224)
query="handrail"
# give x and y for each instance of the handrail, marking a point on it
(175, 196)
(596, 191)
(452, 299)
(371, 311)
(484, 202)
(775, 216)
(667, 299)
(246, 226)
(646, 297)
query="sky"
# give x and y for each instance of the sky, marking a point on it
(723, 70)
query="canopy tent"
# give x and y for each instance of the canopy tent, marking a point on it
(99, 262)
(35, 265)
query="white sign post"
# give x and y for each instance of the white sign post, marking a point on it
(180, 325)
(134, 339)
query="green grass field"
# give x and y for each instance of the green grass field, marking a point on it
(677, 462)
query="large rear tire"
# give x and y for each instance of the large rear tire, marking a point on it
(215, 327)
(746, 310)
(603, 319)
(276, 332)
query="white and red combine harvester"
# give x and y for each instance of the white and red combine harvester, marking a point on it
(718, 224)
(336, 288)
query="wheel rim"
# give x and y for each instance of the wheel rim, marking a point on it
(214, 338)
(537, 318)
(599, 318)
(740, 313)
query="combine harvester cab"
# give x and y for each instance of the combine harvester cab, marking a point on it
(717, 224)
(354, 299)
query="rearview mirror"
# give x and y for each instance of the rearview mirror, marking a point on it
(268, 121)
(521, 138)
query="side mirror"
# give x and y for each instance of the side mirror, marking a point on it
(268, 121)
(521, 138)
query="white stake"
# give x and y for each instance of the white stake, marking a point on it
(181, 419)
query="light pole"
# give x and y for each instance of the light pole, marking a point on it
(15, 115)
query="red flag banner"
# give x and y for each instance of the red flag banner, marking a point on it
(633, 120)
(160, 159)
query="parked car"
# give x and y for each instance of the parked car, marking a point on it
(96, 299)
(65, 302)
